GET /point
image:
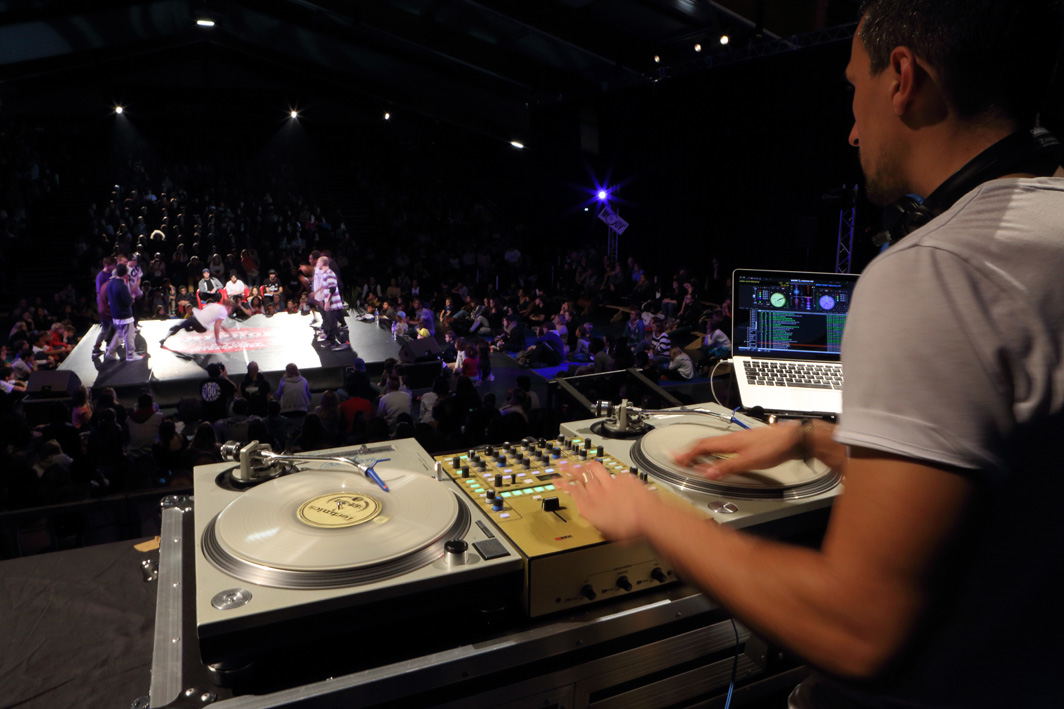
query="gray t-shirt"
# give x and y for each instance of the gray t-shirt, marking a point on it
(954, 355)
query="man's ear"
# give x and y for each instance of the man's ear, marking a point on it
(908, 74)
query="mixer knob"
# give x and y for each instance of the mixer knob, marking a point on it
(587, 443)
(583, 454)
(658, 575)
(589, 593)
(556, 452)
(501, 460)
(496, 504)
(498, 480)
(490, 495)
(550, 504)
(455, 462)
(473, 453)
(599, 452)
(624, 583)
(633, 470)
(543, 441)
(465, 471)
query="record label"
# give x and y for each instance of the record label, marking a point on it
(339, 510)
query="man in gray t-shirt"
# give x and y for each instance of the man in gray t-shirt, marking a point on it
(936, 583)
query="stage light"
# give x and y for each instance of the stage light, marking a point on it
(118, 110)
(205, 22)
(516, 144)
(387, 116)
(698, 47)
(657, 59)
(602, 195)
(294, 113)
(724, 39)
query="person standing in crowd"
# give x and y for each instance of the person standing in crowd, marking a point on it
(120, 301)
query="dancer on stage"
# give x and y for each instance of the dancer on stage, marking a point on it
(202, 319)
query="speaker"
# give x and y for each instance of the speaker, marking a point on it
(52, 384)
(419, 350)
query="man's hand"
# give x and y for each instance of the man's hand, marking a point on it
(753, 449)
(616, 507)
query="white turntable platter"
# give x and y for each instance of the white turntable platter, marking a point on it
(323, 528)
(795, 478)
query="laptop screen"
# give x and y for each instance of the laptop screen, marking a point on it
(790, 314)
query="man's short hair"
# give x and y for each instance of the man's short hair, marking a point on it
(121, 270)
(990, 55)
(214, 370)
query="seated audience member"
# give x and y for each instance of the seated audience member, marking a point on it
(255, 388)
(143, 423)
(470, 363)
(272, 290)
(235, 427)
(277, 424)
(548, 351)
(440, 388)
(216, 393)
(514, 336)
(293, 393)
(328, 410)
(210, 289)
(647, 365)
(81, 413)
(635, 329)
(392, 403)
(524, 383)
(680, 366)
(516, 403)
(204, 447)
(600, 359)
(484, 361)
(659, 342)
(8, 383)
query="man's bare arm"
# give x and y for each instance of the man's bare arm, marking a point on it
(848, 608)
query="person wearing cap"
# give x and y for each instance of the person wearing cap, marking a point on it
(273, 290)
(209, 289)
(402, 327)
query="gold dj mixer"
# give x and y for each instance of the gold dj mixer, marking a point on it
(524, 489)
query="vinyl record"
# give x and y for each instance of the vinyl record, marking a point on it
(793, 479)
(329, 528)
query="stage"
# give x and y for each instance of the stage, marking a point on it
(171, 372)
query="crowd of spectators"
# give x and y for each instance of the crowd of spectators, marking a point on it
(430, 256)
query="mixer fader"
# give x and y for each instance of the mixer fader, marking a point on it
(524, 488)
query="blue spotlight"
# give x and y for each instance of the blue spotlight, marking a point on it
(602, 195)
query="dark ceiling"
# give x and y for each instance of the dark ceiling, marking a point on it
(478, 64)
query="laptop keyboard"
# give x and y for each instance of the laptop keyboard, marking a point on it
(805, 375)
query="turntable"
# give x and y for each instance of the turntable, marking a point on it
(318, 548)
(744, 500)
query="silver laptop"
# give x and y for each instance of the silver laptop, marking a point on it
(786, 339)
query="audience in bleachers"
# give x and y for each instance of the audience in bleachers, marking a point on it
(427, 254)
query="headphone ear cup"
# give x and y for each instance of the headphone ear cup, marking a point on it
(900, 218)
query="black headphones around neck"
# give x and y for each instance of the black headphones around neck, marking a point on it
(1036, 151)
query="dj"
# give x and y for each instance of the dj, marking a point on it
(937, 581)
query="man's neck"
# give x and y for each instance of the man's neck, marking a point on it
(945, 149)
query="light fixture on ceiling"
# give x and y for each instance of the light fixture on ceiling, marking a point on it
(205, 22)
